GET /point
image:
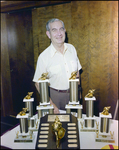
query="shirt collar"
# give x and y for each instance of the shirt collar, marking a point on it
(53, 50)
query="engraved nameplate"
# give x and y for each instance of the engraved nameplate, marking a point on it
(43, 141)
(44, 128)
(72, 140)
(88, 130)
(62, 118)
(43, 132)
(42, 145)
(71, 128)
(71, 124)
(72, 136)
(72, 145)
(105, 140)
(44, 124)
(71, 132)
(43, 136)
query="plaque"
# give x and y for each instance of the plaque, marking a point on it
(48, 140)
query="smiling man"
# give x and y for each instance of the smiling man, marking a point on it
(59, 60)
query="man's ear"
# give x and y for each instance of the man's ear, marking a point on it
(48, 34)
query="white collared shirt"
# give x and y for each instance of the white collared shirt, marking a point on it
(59, 66)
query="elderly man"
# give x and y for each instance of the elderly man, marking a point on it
(59, 60)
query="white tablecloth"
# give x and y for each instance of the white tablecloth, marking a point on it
(87, 139)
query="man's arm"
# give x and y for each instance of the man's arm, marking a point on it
(37, 87)
(78, 77)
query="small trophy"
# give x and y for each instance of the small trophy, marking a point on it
(44, 106)
(74, 103)
(24, 135)
(29, 105)
(105, 135)
(89, 120)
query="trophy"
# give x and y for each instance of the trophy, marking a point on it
(89, 120)
(74, 103)
(44, 106)
(104, 133)
(29, 105)
(58, 131)
(24, 135)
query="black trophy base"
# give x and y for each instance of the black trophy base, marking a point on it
(46, 138)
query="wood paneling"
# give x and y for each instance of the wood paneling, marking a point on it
(20, 58)
(6, 94)
(94, 25)
(12, 6)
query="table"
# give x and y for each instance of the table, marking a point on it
(87, 139)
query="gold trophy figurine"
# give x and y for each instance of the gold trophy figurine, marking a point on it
(58, 130)
(90, 93)
(73, 75)
(29, 95)
(43, 76)
(23, 112)
(106, 110)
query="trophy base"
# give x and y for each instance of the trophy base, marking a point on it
(104, 138)
(24, 138)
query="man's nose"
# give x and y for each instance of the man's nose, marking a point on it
(59, 32)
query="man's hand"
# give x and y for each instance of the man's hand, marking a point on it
(56, 110)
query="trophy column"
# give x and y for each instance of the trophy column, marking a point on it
(44, 106)
(74, 103)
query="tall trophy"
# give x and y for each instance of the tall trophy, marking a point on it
(74, 103)
(104, 134)
(89, 120)
(44, 105)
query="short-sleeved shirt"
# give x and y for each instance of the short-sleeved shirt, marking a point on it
(59, 66)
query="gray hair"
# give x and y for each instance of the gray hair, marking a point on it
(53, 20)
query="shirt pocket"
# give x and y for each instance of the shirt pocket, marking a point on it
(73, 65)
(55, 70)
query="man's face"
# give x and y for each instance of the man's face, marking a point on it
(56, 33)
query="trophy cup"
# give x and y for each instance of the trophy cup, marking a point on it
(74, 103)
(104, 133)
(24, 135)
(89, 120)
(44, 106)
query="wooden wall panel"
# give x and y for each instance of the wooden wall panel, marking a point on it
(21, 58)
(96, 32)
(6, 92)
